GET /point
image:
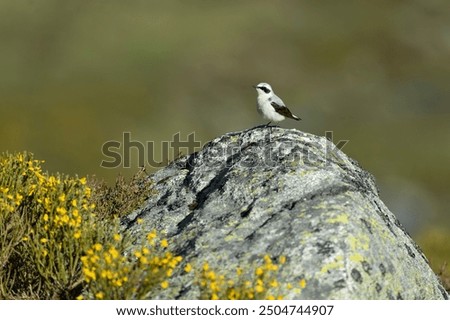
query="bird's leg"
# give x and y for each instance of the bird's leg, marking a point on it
(270, 127)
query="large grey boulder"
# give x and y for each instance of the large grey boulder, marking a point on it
(284, 192)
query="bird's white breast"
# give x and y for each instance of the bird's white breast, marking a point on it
(267, 111)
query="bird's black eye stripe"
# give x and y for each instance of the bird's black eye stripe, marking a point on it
(265, 89)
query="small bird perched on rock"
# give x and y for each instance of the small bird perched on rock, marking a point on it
(270, 106)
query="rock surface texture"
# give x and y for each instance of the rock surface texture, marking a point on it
(284, 192)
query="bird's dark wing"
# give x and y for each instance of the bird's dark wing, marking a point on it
(283, 110)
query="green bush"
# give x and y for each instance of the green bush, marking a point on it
(121, 198)
(46, 223)
(55, 228)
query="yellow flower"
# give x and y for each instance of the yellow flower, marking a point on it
(139, 220)
(205, 266)
(106, 274)
(164, 284)
(188, 268)
(94, 258)
(89, 274)
(65, 219)
(44, 240)
(169, 273)
(259, 288)
(113, 252)
(99, 295)
(83, 180)
(18, 199)
(45, 217)
(214, 297)
(211, 275)
(25, 239)
(270, 297)
(61, 211)
(62, 197)
(117, 237)
(145, 251)
(151, 235)
(80, 297)
(282, 259)
(156, 260)
(33, 189)
(44, 252)
(51, 180)
(164, 243)
(143, 260)
(259, 271)
(108, 258)
(274, 283)
(74, 202)
(302, 283)
(117, 283)
(77, 235)
(232, 295)
(239, 271)
(98, 247)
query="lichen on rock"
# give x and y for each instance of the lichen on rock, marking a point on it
(282, 192)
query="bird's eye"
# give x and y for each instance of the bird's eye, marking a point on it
(266, 90)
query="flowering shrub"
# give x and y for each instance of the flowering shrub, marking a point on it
(111, 275)
(262, 285)
(46, 221)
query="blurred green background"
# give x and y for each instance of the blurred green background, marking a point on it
(75, 74)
